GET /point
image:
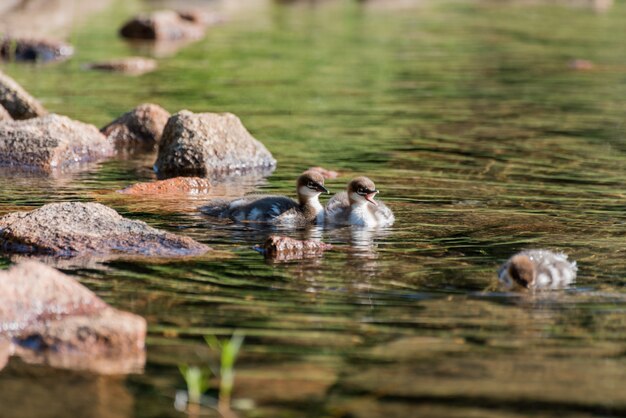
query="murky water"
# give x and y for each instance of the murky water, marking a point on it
(482, 141)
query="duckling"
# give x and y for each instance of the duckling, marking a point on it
(356, 206)
(276, 210)
(538, 269)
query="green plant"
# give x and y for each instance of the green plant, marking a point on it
(197, 381)
(229, 351)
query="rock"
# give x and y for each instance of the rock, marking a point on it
(4, 115)
(17, 101)
(199, 17)
(162, 25)
(128, 65)
(285, 248)
(51, 143)
(139, 129)
(75, 228)
(327, 174)
(174, 186)
(209, 144)
(42, 309)
(38, 50)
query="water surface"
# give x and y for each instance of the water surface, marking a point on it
(483, 142)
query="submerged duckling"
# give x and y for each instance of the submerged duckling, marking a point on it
(538, 269)
(276, 210)
(356, 206)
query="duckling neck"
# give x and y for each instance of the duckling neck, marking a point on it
(312, 209)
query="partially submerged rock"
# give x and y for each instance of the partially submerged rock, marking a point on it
(42, 309)
(74, 228)
(17, 101)
(127, 65)
(50, 143)
(170, 187)
(162, 25)
(209, 144)
(581, 65)
(139, 129)
(285, 248)
(327, 174)
(33, 49)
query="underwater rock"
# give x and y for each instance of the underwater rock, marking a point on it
(17, 101)
(209, 144)
(35, 50)
(139, 129)
(327, 174)
(127, 65)
(169, 187)
(285, 248)
(51, 143)
(43, 309)
(162, 25)
(581, 65)
(75, 228)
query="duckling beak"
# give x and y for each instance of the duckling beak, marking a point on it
(370, 197)
(321, 188)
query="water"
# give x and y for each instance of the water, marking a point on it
(482, 141)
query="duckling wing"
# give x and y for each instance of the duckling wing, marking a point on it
(384, 216)
(338, 208)
(255, 208)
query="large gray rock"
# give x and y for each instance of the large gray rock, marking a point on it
(162, 25)
(51, 143)
(43, 309)
(17, 101)
(140, 129)
(209, 144)
(75, 228)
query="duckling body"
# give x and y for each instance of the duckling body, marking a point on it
(276, 210)
(538, 269)
(356, 206)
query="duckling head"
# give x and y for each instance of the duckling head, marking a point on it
(310, 185)
(522, 270)
(362, 190)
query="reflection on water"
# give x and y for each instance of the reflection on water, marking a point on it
(484, 142)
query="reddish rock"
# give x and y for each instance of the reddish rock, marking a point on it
(33, 49)
(75, 228)
(51, 143)
(327, 174)
(128, 65)
(209, 144)
(169, 187)
(139, 129)
(44, 309)
(199, 17)
(17, 101)
(162, 25)
(289, 248)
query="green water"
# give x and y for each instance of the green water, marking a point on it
(482, 141)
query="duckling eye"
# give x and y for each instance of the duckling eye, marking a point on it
(361, 190)
(310, 185)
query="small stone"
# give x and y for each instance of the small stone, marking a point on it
(209, 144)
(74, 228)
(17, 101)
(140, 129)
(50, 143)
(33, 49)
(581, 65)
(162, 25)
(282, 247)
(128, 65)
(169, 187)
